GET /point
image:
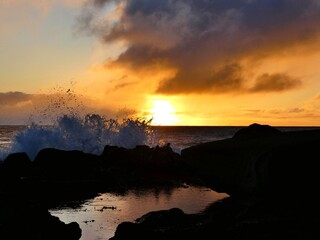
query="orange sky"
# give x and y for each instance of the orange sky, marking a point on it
(189, 62)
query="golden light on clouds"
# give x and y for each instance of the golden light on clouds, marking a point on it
(194, 62)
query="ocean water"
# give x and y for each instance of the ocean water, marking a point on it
(7, 135)
(91, 133)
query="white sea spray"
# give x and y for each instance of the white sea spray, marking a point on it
(88, 134)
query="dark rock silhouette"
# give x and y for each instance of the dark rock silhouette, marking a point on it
(256, 130)
(25, 219)
(18, 164)
(67, 164)
(129, 230)
(162, 224)
(250, 164)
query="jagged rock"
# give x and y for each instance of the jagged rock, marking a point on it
(18, 164)
(67, 164)
(141, 164)
(256, 130)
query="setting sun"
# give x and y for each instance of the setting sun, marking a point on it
(163, 113)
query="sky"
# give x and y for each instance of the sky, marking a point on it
(179, 62)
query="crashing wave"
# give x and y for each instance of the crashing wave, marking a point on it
(88, 134)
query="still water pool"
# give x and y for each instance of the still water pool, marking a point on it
(99, 217)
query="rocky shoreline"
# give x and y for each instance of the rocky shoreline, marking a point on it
(272, 178)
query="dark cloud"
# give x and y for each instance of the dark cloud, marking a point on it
(13, 98)
(226, 78)
(275, 82)
(204, 40)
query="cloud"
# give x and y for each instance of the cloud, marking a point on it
(123, 85)
(275, 82)
(226, 78)
(206, 42)
(297, 110)
(21, 108)
(278, 116)
(40, 4)
(15, 107)
(14, 98)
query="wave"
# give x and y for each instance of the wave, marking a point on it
(90, 134)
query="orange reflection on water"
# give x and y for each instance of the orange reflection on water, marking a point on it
(98, 218)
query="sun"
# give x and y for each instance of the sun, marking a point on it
(163, 113)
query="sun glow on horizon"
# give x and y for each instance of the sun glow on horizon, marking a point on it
(163, 113)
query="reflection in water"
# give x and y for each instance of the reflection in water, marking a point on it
(99, 217)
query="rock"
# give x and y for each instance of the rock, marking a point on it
(18, 164)
(163, 224)
(141, 164)
(256, 130)
(129, 230)
(162, 218)
(274, 164)
(24, 219)
(73, 231)
(288, 169)
(67, 164)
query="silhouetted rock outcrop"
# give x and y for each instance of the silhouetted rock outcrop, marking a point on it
(162, 224)
(256, 130)
(60, 174)
(142, 166)
(67, 164)
(18, 164)
(258, 165)
(25, 219)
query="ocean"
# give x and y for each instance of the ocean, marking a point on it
(94, 132)
(99, 217)
(73, 134)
